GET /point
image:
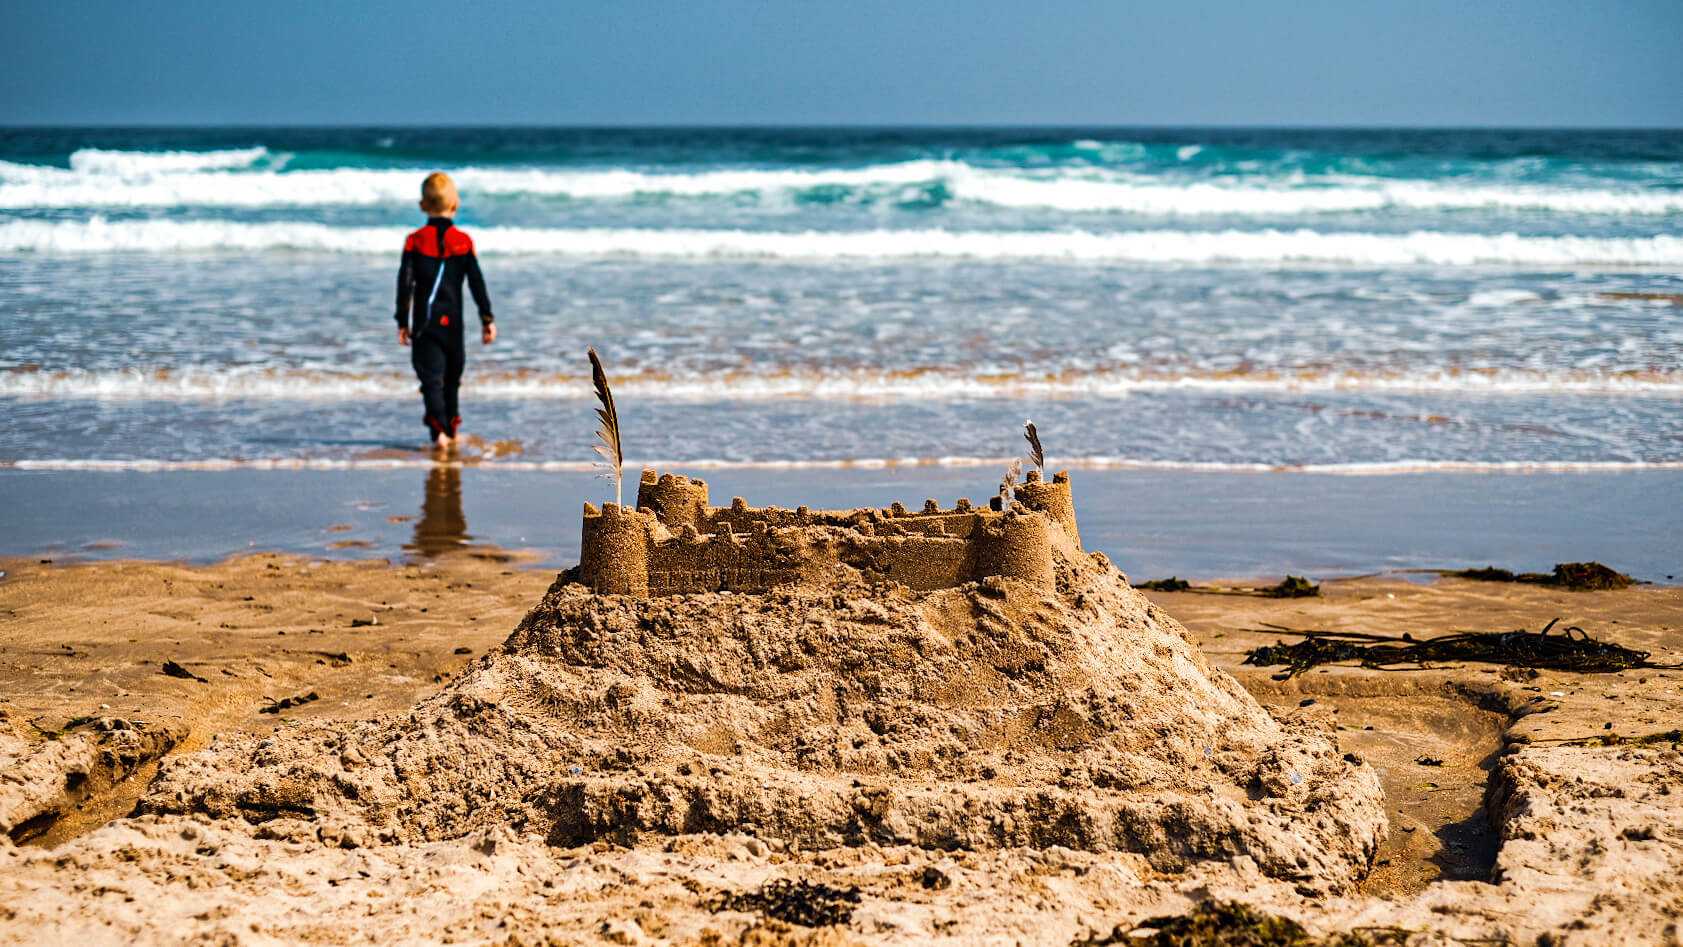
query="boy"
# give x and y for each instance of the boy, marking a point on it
(429, 305)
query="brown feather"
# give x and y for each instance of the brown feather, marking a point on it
(609, 449)
(1036, 454)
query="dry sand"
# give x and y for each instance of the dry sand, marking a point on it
(83, 643)
(984, 764)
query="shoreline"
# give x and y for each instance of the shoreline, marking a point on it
(1152, 524)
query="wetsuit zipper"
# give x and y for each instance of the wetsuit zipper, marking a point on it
(436, 280)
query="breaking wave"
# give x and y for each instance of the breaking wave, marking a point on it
(1264, 247)
(253, 178)
(126, 165)
(869, 386)
(1098, 194)
(423, 461)
(32, 186)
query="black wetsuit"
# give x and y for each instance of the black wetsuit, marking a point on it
(436, 259)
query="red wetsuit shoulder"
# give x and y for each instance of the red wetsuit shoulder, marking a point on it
(425, 241)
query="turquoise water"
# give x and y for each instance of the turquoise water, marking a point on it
(1380, 300)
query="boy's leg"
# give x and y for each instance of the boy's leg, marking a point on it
(428, 357)
(455, 359)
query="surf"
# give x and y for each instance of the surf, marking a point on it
(908, 385)
(1259, 247)
(256, 178)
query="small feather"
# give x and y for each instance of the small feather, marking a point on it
(1036, 453)
(1007, 485)
(609, 449)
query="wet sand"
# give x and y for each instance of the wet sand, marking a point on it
(1149, 522)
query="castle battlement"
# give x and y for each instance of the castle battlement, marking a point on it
(675, 542)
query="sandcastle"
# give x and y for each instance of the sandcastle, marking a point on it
(675, 543)
(963, 679)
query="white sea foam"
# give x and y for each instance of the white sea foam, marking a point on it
(229, 179)
(421, 461)
(1264, 247)
(31, 186)
(1501, 298)
(129, 164)
(857, 386)
(1099, 192)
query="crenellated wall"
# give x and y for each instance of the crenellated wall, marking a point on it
(675, 542)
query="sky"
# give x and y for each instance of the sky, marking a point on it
(804, 62)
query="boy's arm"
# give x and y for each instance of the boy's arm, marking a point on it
(405, 287)
(481, 298)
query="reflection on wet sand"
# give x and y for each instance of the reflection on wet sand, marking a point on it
(442, 527)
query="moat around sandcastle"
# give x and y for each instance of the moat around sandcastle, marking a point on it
(675, 542)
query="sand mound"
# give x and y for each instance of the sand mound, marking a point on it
(43, 780)
(994, 714)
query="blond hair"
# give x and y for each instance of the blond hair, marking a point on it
(438, 193)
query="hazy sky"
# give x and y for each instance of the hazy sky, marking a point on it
(1350, 62)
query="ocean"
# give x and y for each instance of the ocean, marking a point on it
(1219, 299)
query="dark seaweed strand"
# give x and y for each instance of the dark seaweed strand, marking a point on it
(795, 902)
(1569, 650)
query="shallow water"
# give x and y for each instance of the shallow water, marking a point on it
(1152, 524)
(1383, 300)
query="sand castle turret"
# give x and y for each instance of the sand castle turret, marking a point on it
(675, 542)
(1053, 499)
(618, 541)
(678, 501)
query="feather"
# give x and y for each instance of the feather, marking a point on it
(609, 431)
(1036, 454)
(1009, 484)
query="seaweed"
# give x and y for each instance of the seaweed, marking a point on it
(69, 725)
(1613, 739)
(1569, 650)
(1292, 586)
(287, 703)
(1231, 924)
(1490, 574)
(793, 902)
(1576, 576)
(173, 669)
(1581, 576)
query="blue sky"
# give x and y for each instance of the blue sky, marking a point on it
(1356, 62)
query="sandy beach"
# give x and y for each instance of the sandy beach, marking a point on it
(361, 751)
(1056, 475)
(90, 643)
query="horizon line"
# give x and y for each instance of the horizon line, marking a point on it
(837, 126)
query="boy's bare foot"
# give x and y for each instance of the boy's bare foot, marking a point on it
(442, 444)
